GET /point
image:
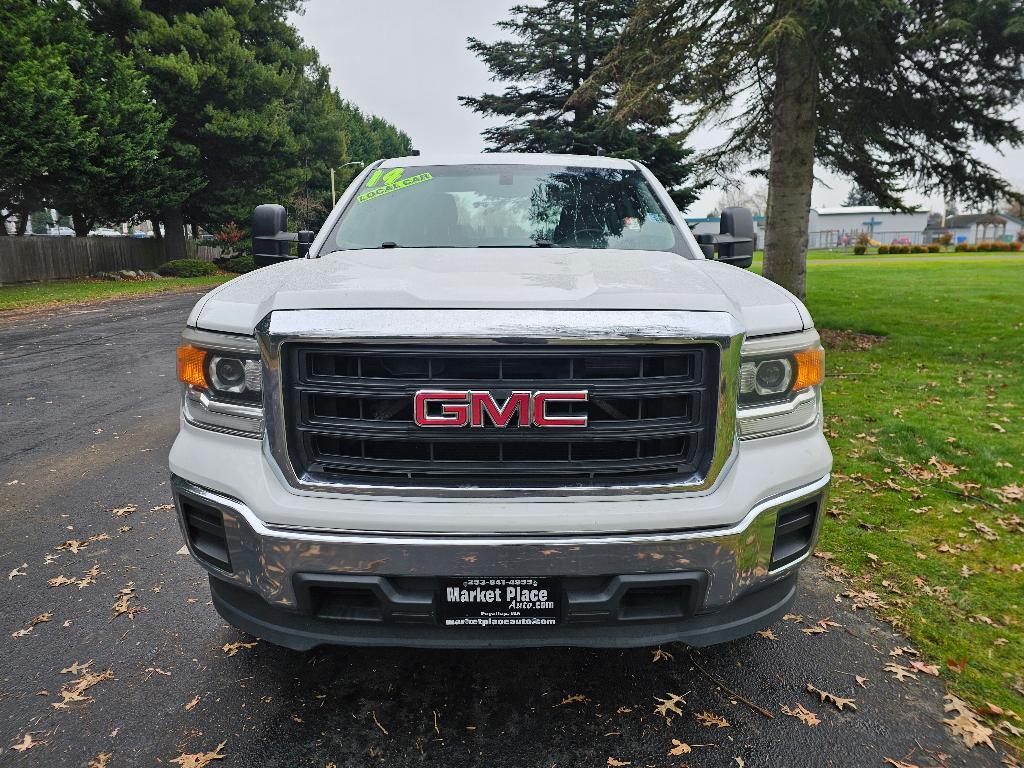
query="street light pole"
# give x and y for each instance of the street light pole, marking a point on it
(334, 197)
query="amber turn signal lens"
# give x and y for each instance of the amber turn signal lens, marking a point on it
(192, 365)
(810, 368)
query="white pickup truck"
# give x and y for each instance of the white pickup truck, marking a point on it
(501, 400)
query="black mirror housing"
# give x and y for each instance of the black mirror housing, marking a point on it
(271, 240)
(737, 238)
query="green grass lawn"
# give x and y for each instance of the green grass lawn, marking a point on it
(80, 291)
(927, 427)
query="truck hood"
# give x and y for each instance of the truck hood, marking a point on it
(506, 278)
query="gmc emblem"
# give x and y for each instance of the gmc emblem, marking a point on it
(460, 408)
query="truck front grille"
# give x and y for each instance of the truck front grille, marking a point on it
(349, 414)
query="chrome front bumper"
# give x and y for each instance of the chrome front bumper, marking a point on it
(265, 560)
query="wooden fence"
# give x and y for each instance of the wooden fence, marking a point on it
(41, 258)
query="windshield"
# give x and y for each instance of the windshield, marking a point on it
(514, 206)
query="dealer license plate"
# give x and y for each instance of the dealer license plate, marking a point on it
(523, 602)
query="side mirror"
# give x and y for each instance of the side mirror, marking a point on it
(735, 241)
(271, 240)
(305, 239)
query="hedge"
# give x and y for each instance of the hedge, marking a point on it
(187, 268)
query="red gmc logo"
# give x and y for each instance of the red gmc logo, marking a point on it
(461, 408)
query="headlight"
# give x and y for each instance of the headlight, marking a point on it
(223, 379)
(780, 382)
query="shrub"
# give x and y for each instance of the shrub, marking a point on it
(934, 247)
(187, 268)
(863, 239)
(971, 248)
(946, 238)
(859, 250)
(1016, 245)
(918, 249)
(960, 247)
(883, 249)
(240, 264)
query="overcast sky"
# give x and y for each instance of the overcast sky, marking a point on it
(406, 60)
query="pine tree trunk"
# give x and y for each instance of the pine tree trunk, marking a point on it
(155, 223)
(19, 228)
(174, 233)
(791, 170)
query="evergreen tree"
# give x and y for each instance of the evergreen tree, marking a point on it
(888, 94)
(40, 131)
(556, 46)
(80, 131)
(860, 196)
(229, 76)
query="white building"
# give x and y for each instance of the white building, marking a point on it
(837, 227)
(973, 228)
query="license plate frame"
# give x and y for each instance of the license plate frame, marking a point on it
(520, 602)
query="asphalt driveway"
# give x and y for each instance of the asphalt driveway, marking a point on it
(88, 411)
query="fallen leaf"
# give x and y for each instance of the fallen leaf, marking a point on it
(125, 511)
(17, 572)
(101, 760)
(966, 724)
(73, 545)
(899, 763)
(997, 427)
(660, 655)
(123, 603)
(679, 748)
(957, 665)
(1010, 729)
(77, 668)
(709, 719)
(576, 698)
(86, 581)
(860, 680)
(900, 672)
(800, 712)
(162, 508)
(26, 743)
(671, 704)
(617, 763)
(928, 669)
(837, 701)
(815, 630)
(232, 648)
(74, 692)
(192, 704)
(1010, 493)
(32, 623)
(767, 634)
(202, 759)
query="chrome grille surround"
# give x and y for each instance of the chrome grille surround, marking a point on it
(511, 328)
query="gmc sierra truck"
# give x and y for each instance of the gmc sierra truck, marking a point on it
(501, 400)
